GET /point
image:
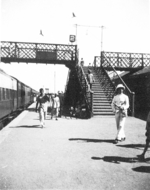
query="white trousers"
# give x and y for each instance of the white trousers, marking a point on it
(41, 116)
(120, 122)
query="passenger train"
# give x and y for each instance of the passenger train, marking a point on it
(14, 94)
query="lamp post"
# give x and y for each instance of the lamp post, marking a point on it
(54, 79)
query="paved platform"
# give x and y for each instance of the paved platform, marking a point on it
(72, 154)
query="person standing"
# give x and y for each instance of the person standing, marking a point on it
(82, 62)
(56, 106)
(90, 79)
(120, 104)
(147, 134)
(60, 95)
(41, 106)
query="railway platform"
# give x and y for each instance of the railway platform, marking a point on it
(72, 154)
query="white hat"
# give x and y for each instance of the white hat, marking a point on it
(120, 86)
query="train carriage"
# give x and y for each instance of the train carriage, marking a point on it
(14, 94)
(8, 91)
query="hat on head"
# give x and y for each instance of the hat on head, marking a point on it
(120, 86)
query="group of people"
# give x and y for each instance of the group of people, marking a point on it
(56, 101)
(120, 105)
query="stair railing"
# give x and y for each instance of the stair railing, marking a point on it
(130, 94)
(85, 89)
(105, 81)
(67, 81)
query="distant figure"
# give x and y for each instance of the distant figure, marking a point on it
(120, 104)
(56, 106)
(41, 106)
(61, 99)
(90, 79)
(147, 134)
(89, 65)
(82, 62)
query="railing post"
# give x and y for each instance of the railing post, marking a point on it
(16, 51)
(91, 95)
(142, 61)
(133, 99)
(101, 59)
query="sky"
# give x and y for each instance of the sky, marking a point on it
(126, 28)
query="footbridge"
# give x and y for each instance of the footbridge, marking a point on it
(122, 61)
(68, 55)
(38, 53)
(77, 87)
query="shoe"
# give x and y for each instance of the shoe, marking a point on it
(123, 139)
(56, 119)
(116, 141)
(141, 157)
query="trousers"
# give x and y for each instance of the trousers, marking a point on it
(41, 116)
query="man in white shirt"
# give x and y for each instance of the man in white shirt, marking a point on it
(90, 79)
(41, 106)
(120, 104)
(56, 106)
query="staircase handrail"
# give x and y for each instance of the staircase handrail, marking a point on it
(128, 90)
(89, 104)
(67, 80)
(117, 74)
(84, 76)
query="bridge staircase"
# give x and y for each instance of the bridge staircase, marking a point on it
(76, 92)
(101, 103)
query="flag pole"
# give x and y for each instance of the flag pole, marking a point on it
(76, 32)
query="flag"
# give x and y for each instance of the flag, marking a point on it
(73, 15)
(41, 33)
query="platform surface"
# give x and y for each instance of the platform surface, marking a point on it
(72, 154)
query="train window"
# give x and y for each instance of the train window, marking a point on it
(4, 94)
(7, 93)
(15, 92)
(0, 95)
(11, 93)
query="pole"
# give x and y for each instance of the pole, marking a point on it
(102, 38)
(76, 33)
(54, 80)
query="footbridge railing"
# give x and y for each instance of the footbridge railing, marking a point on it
(123, 61)
(38, 53)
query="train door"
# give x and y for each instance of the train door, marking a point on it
(14, 93)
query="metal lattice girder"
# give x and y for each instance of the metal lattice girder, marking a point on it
(38, 52)
(123, 61)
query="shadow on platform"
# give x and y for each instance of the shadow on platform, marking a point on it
(27, 126)
(136, 146)
(143, 169)
(118, 159)
(93, 140)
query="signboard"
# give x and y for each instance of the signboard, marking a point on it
(72, 38)
(46, 55)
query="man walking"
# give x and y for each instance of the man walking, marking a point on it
(41, 107)
(90, 79)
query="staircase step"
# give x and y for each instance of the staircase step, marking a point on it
(103, 113)
(101, 105)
